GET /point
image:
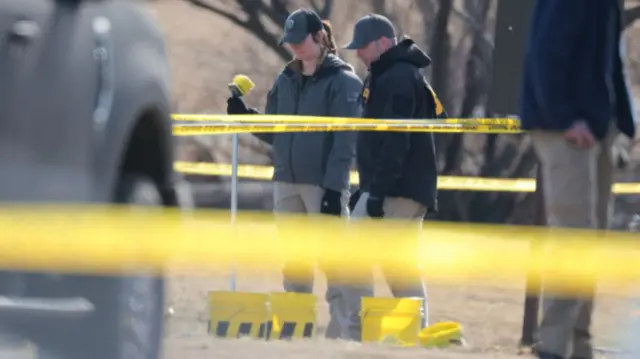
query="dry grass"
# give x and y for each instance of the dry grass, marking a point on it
(491, 317)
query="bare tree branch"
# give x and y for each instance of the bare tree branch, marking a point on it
(475, 25)
(440, 48)
(255, 11)
(380, 7)
(323, 11)
(277, 12)
(227, 15)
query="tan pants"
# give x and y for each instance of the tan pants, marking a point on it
(577, 194)
(402, 284)
(299, 277)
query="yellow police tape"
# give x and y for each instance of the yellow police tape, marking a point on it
(93, 239)
(296, 119)
(222, 128)
(258, 172)
(219, 124)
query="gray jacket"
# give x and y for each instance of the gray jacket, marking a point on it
(316, 158)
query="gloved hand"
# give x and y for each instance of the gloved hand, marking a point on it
(236, 106)
(375, 206)
(331, 203)
(353, 200)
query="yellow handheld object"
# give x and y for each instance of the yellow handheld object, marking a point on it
(241, 85)
(441, 335)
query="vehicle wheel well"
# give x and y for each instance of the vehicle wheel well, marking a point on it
(144, 154)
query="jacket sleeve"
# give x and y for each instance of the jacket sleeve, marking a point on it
(344, 102)
(557, 31)
(270, 109)
(395, 98)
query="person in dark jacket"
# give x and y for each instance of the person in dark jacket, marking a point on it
(398, 175)
(311, 168)
(574, 101)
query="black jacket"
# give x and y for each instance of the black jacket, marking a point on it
(574, 68)
(399, 164)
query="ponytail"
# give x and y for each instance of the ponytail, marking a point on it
(329, 41)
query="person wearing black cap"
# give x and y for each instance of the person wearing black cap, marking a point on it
(311, 168)
(398, 175)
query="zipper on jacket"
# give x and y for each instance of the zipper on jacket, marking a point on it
(295, 112)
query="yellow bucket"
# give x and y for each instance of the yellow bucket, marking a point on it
(391, 320)
(441, 335)
(238, 314)
(293, 315)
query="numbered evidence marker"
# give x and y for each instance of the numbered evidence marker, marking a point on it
(238, 314)
(293, 315)
(275, 316)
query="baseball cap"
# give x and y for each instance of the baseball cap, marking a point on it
(370, 28)
(299, 24)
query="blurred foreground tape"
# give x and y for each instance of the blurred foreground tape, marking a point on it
(264, 173)
(115, 240)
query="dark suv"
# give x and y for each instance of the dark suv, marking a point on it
(84, 118)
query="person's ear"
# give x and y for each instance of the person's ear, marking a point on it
(385, 42)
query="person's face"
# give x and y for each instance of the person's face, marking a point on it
(306, 50)
(369, 53)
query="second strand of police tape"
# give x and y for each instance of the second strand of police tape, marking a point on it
(264, 173)
(225, 124)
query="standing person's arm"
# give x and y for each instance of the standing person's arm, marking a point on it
(271, 108)
(394, 99)
(557, 33)
(237, 106)
(344, 103)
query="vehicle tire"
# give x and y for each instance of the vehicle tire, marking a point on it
(129, 316)
(136, 310)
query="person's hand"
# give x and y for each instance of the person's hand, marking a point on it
(580, 135)
(375, 206)
(236, 106)
(331, 203)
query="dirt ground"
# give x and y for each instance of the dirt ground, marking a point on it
(490, 315)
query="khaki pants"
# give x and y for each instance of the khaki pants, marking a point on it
(402, 284)
(299, 277)
(577, 194)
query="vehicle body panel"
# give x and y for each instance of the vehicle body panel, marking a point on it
(51, 148)
(78, 80)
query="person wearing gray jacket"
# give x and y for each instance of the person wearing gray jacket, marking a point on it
(311, 169)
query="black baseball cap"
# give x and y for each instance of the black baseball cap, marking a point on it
(370, 28)
(299, 24)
